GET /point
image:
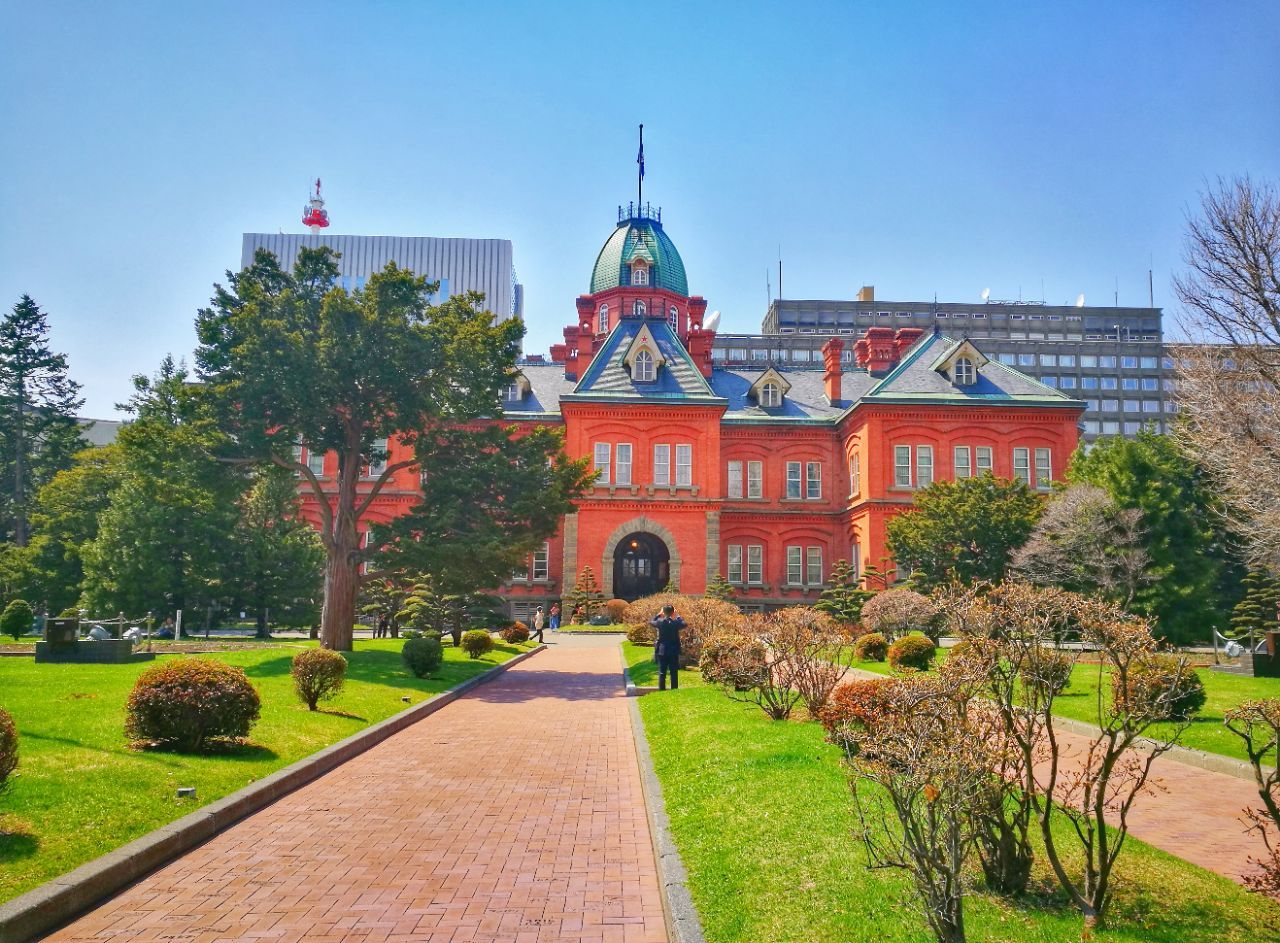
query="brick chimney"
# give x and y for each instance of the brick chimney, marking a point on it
(876, 352)
(906, 337)
(831, 368)
(559, 353)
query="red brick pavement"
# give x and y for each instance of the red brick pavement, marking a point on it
(513, 814)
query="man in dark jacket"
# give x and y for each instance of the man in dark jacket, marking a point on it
(666, 650)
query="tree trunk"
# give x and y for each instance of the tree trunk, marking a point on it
(337, 622)
(262, 631)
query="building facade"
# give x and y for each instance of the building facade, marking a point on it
(1112, 359)
(764, 473)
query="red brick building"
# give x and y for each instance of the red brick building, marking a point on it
(766, 475)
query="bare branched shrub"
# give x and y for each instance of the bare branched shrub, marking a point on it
(898, 612)
(1257, 723)
(704, 618)
(820, 649)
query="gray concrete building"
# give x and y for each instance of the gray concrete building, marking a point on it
(1112, 358)
(459, 265)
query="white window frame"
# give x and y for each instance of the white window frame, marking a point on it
(795, 481)
(376, 467)
(602, 324)
(622, 464)
(813, 575)
(983, 460)
(903, 471)
(662, 465)
(795, 565)
(855, 475)
(813, 481)
(962, 462)
(601, 460)
(924, 466)
(755, 479)
(684, 465)
(964, 373)
(1022, 466)
(733, 563)
(642, 370)
(1044, 469)
(733, 480)
(638, 308)
(639, 274)
(673, 316)
(770, 395)
(755, 564)
(542, 562)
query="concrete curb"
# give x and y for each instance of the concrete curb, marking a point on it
(1212, 762)
(681, 916)
(58, 901)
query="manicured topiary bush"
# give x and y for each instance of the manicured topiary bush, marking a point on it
(318, 675)
(515, 633)
(410, 633)
(185, 704)
(642, 634)
(914, 652)
(423, 654)
(1161, 686)
(8, 747)
(854, 706)
(871, 647)
(736, 661)
(17, 618)
(477, 642)
(615, 608)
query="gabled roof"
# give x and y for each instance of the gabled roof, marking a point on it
(947, 358)
(609, 378)
(643, 339)
(770, 374)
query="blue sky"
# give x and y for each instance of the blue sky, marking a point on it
(919, 147)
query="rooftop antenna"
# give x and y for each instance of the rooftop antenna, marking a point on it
(314, 216)
(779, 271)
(768, 285)
(1151, 290)
(640, 165)
(1117, 301)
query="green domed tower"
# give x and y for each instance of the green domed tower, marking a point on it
(639, 253)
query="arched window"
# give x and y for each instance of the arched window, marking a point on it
(638, 309)
(642, 371)
(673, 315)
(963, 372)
(770, 395)
(604, 319)
(639, 275)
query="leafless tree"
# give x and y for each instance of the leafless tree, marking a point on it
(1257, 723)
(1229, 391)
(1085, 542)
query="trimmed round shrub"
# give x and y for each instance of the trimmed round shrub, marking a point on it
(17, 618)
(737, 661)
(318, 675)
(8, 747)
(515, 633)
(185, 704)
(410, 633)
(854, 706)
(615, 608)
(423, 654)
(704, 618)
(642, 634)
(912, 652)
(1160, 686)
(871, 647)
(477, 642)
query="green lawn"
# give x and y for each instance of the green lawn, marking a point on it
(762, 815)
(1206, 732)
(80, 791)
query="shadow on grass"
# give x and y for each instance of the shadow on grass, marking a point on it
(329, 712)
(215, 749)
(14, 846)
(79, 744)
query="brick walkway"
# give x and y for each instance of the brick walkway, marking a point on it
(513, 814)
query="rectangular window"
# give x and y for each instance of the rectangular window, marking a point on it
(855, 475)
(1128, 363)
(924, 466)
(1068, 383)
(1129, 383)
(684, 465)
(1110, 383)
(1148, 363)
(377, 458)
(902, 466)
(1107, 362)
(755, 479)
(735, 479)
(795, 569)
(813, 480)
(1150, 383)
(1092, 426)
(1066, 360)
(1151, 406)
(755, 564)
(622, 473)
(541, 559)
(1044, 469)
(793, 480)
(1049, 381)
(1022, 466)
(983, 455)
(1009, 359)
(1133, 406)
(962, 463)
(1088, 360)
(1089, 383)
(1048, 360)
(734, 563)
(1111, 406)
(601, 462)
(1026, 360)
(813, 566)
(662, 465)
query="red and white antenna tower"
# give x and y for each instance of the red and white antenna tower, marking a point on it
(314, 216)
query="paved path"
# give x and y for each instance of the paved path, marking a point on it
(513, 814)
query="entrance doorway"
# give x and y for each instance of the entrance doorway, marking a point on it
(640, 566)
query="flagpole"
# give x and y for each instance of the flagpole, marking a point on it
(640, 173)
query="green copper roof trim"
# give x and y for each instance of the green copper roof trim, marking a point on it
(639, 238)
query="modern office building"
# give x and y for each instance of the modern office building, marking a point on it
(1111, 358)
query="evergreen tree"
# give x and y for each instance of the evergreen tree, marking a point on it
(1256, 612)
(844, 596)
(39, 432)
(721, 588)
(278, 560)
(586, 593)
(165, 538)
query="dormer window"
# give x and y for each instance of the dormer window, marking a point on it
(639, 274)
(511, 393)
(642, 367)
(604, 319)
(769, 389)
(638, 309)
(961, 362)
(770, 395)
(515, 391)
(963, 372)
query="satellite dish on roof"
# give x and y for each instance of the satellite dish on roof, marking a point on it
(986, 294)
(712, 322)
(1080, 300)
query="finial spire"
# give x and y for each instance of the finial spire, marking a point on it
(640, 162)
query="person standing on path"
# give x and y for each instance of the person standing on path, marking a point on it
(538, 623)
(555, 617)
(666, 648)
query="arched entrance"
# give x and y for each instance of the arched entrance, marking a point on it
(641, 566)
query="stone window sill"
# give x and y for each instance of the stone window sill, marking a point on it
(672, 489)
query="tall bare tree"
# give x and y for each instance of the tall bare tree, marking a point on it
(1229, 385)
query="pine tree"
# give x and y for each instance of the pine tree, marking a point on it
(844, 597)
(721, 588)
(586, 593)
(39, 432)
(1256, 612)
